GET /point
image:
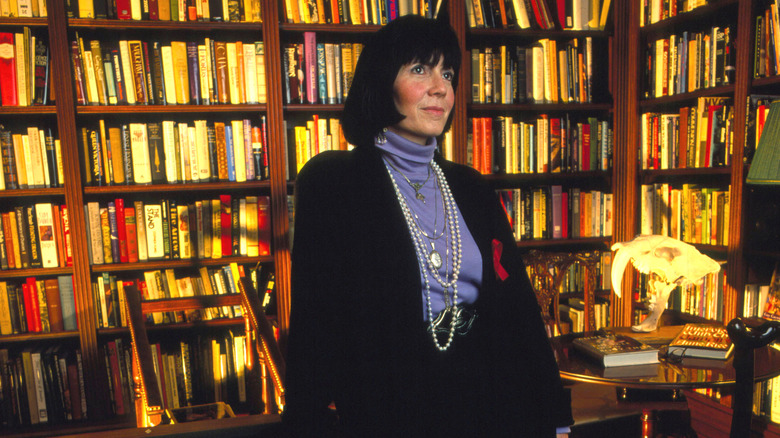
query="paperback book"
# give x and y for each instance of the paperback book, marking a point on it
(702, 341)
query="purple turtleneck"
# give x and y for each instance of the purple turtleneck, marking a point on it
(412, 160)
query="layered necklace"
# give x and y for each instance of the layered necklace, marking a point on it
(430, 261)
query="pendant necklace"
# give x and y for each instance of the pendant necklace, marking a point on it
(416, 186)
(435, 257)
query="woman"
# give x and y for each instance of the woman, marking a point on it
(411, 308)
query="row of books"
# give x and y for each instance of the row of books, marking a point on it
(572, 312)
(168, 73)
(695, 137)
(356, 12)
(653, 11)
(168, 10)
(35, 236)
(545, 145)
(37, 305)
(704, 300)
(170, 152)
(690, 61)
(544, 72)
(690, 213)
(131, 231)
(554, 213)
(318, 72)
(24, 8)
(317, 135)
(24, 66)
(755, 117)
(767, 43)
(32, 158)
(538, 14)
(202, 369)
(41, 384)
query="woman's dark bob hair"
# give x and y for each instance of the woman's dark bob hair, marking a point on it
(369, 106)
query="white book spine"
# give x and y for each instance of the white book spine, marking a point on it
(48, 243)
(139, 143)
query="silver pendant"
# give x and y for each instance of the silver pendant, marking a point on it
(435, 259)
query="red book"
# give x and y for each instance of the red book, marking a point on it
(78, 73)
(123, 9)
(116, 378)
(336, 19)
(565, 214)
(58, 237)
(8, 70)
(119, 204)
(226, 221)
(263, 226)
(585, 156)
(537, 14)
(476, 136)
(131, 232)
(487, 146)
(66, 235)
(54, 305)
(310, 66)
(74, 390)
(154, 10)
(9, 244)
(31, 305)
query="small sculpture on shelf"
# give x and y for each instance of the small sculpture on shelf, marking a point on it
(669, 263)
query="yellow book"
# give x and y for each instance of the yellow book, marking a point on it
(127, 72)
(180, 73)
(250, 73)
(240, 72)
(232, 70)
(216, 229)
(22, 70)
(86, 8)
(106, 233)
(260, 71)
(169, 82)
(117, 164)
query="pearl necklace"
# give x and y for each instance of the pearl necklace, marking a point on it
(433, 260)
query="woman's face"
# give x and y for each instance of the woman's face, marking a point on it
(424, 95)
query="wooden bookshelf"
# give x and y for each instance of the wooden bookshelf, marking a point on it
(623, 105)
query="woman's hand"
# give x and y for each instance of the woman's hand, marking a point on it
(562, 435)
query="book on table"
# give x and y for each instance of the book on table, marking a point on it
(617, 350)
(703, 341)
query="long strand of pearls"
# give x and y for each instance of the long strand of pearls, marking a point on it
(425, 263)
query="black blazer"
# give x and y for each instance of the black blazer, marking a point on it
(357, 316)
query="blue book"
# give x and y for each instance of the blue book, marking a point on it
(322, 78)
(229, 152)
(114, 230)
(67, 302)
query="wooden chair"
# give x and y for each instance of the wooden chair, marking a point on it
(261, 345)
(547, 270)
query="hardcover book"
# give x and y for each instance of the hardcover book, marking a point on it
(702, 341)
(617, 350)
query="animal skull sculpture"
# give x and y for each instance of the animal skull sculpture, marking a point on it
(669, 262)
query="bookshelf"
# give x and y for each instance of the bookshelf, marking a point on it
(621, 102)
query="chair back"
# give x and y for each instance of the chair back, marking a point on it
(149, 407)
(264, 339)
(260, 340)
(547, 271)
